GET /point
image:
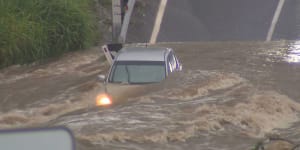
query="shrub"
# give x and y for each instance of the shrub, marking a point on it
(36, 29)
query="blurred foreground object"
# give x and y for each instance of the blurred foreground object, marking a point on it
(58, 138)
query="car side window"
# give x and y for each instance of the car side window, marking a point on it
(120, 74)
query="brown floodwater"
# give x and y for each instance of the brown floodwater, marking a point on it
(228, 96)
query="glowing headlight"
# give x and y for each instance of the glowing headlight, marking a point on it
(103, 100)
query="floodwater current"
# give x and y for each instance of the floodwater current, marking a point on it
(228, 96)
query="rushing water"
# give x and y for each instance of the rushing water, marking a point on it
(228, 96)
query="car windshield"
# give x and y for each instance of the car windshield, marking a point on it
(138, 72)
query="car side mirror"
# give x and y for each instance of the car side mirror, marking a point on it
(101, 77)
(58, 138)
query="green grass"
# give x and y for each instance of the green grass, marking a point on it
(32, 30)
(106, 3)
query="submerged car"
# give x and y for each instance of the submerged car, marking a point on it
(135, 68)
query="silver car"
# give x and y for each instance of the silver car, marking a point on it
(133, 69)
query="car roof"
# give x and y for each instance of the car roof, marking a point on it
(142, 54)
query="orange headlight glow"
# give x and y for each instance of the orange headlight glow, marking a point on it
(103, 100)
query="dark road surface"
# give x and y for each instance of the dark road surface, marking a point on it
(288, 26)
(215, 20)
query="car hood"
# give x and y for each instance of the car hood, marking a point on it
(121, 93)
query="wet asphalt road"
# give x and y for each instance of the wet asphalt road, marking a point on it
(288, 26)
(215, 20)
(142, 21)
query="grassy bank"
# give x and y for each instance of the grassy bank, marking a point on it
(36, 29)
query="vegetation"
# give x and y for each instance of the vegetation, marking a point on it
(36, 29)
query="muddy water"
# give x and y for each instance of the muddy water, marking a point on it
(229, 95)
